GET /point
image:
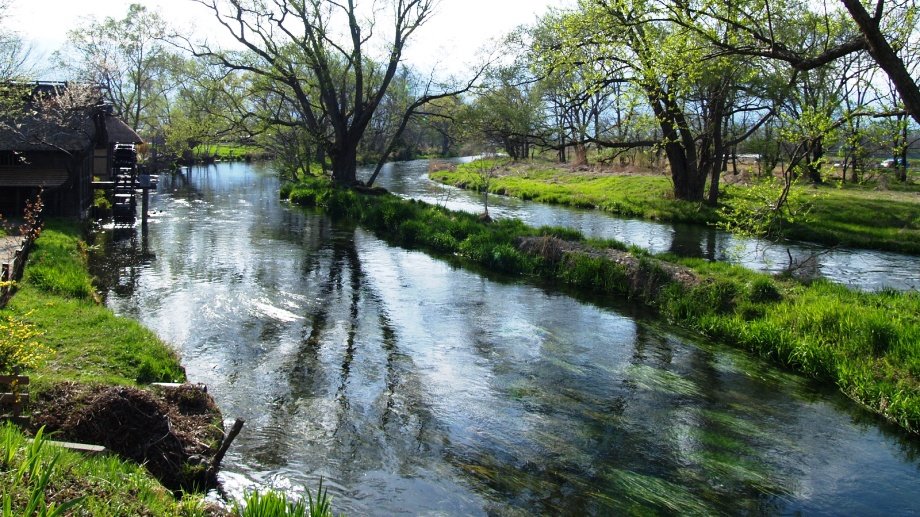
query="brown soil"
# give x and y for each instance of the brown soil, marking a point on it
(172, 432)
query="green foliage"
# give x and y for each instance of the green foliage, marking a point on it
(32, 478)
(39, 479)
(507, 113)
(277, 504)
(90, 343)
(764, 209)
(596, 274)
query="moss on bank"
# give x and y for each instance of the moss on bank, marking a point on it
(868, 344)
(856, 216)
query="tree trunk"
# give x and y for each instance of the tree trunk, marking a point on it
(813, 167)
(684, 174)
(580, 156)
(345, 165)
(886, 57)
(902, 154)
(445, 145)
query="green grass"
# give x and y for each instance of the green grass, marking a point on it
(47, 477)
(856, 216)
(228, 152)
(867, 344)
(865, 218)
(641, 196)
(90, 343)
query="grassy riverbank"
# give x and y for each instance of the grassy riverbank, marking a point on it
(858, 216)
(94, 352)
(89, 345)
(228, 152)
(868, 344)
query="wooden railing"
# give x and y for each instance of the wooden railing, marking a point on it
(14, 398)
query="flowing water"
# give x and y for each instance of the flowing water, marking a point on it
(414, 387)
(861, 269)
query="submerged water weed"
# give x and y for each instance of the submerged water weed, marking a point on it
(663, 381)
(730, 467)
(645, 494)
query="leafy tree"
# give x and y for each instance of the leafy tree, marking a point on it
(507, 113)
(317, 57)
(128, 58)
(441, 119)
(762, 28)
(14, 53)
(691, 92)
(201, 107)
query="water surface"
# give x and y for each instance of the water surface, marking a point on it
(861, 269)
(413, 387)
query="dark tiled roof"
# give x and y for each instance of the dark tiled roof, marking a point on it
(32, 133)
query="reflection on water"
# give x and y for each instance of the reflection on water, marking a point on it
(414, 387)
(861, 269)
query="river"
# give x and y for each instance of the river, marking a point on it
(412, 386)
(868, 270)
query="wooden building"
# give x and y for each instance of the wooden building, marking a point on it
(57, 144)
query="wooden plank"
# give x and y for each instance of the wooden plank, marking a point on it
(177, 385)
(85, 448)
(14, 399)
(21, 421)
(8, 380)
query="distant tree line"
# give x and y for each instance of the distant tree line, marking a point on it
(699, 82)
(689, 85)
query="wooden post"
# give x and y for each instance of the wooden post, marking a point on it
(144, 205)
(222, 451)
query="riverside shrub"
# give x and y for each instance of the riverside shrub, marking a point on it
(20, 349)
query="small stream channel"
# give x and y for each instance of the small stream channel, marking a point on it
(414, 387)
(868, 270)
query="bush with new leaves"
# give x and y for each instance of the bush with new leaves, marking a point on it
(20, 349)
